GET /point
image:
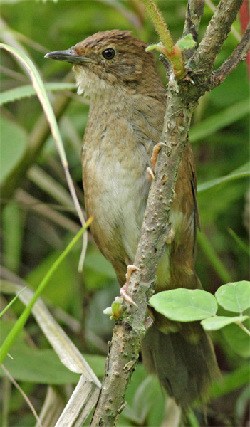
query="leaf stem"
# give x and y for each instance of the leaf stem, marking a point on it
(243, 328)
(169, 49)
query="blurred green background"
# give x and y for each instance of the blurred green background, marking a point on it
(38, 219)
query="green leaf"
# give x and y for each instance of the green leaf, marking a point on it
(217, 322)
(185, 305)
(186, 42)
(234, 296)
(12, 145)
(42, 366)
(219, 120)
(28, 90)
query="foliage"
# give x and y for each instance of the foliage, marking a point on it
(187, 305)
(39, 219)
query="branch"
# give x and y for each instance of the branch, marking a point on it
(231, 63)
(216, 33)
(128, 334)
(194, 13)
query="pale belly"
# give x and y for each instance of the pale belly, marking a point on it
(115, 195)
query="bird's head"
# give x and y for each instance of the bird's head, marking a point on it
(111, 59)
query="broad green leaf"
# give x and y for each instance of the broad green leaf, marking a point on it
(242, 172)
(28, 90)
(237, 339)
(12, 145)
(234, 296)
(219, 120)
(217, 322)
(185, 305)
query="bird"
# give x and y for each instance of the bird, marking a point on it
(127, 104)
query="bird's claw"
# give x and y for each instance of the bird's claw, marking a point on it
(124, 290)
(155, 152)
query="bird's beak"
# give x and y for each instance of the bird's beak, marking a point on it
(68, 55)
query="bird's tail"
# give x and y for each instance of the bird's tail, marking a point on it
(184, 366)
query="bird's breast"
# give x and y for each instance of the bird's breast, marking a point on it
(115, 183)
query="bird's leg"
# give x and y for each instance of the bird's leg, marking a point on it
(124, 290)
(154, 156)
(155, 152)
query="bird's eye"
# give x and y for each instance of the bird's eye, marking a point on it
(108, 53)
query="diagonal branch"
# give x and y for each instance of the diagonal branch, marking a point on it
(216, 33)
(231, 63)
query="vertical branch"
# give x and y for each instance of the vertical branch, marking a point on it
(194, 13)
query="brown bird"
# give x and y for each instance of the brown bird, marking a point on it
(127, 105)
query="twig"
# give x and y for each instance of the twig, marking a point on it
(231, 63)
(211, 6)
(216, 33)
(194, 14)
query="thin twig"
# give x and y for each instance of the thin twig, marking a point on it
(211, 6)
(194, 13)
(231, 63)
(215, 35)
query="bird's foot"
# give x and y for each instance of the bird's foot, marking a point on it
(124, 290)
(155, 152)
(150, 174)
